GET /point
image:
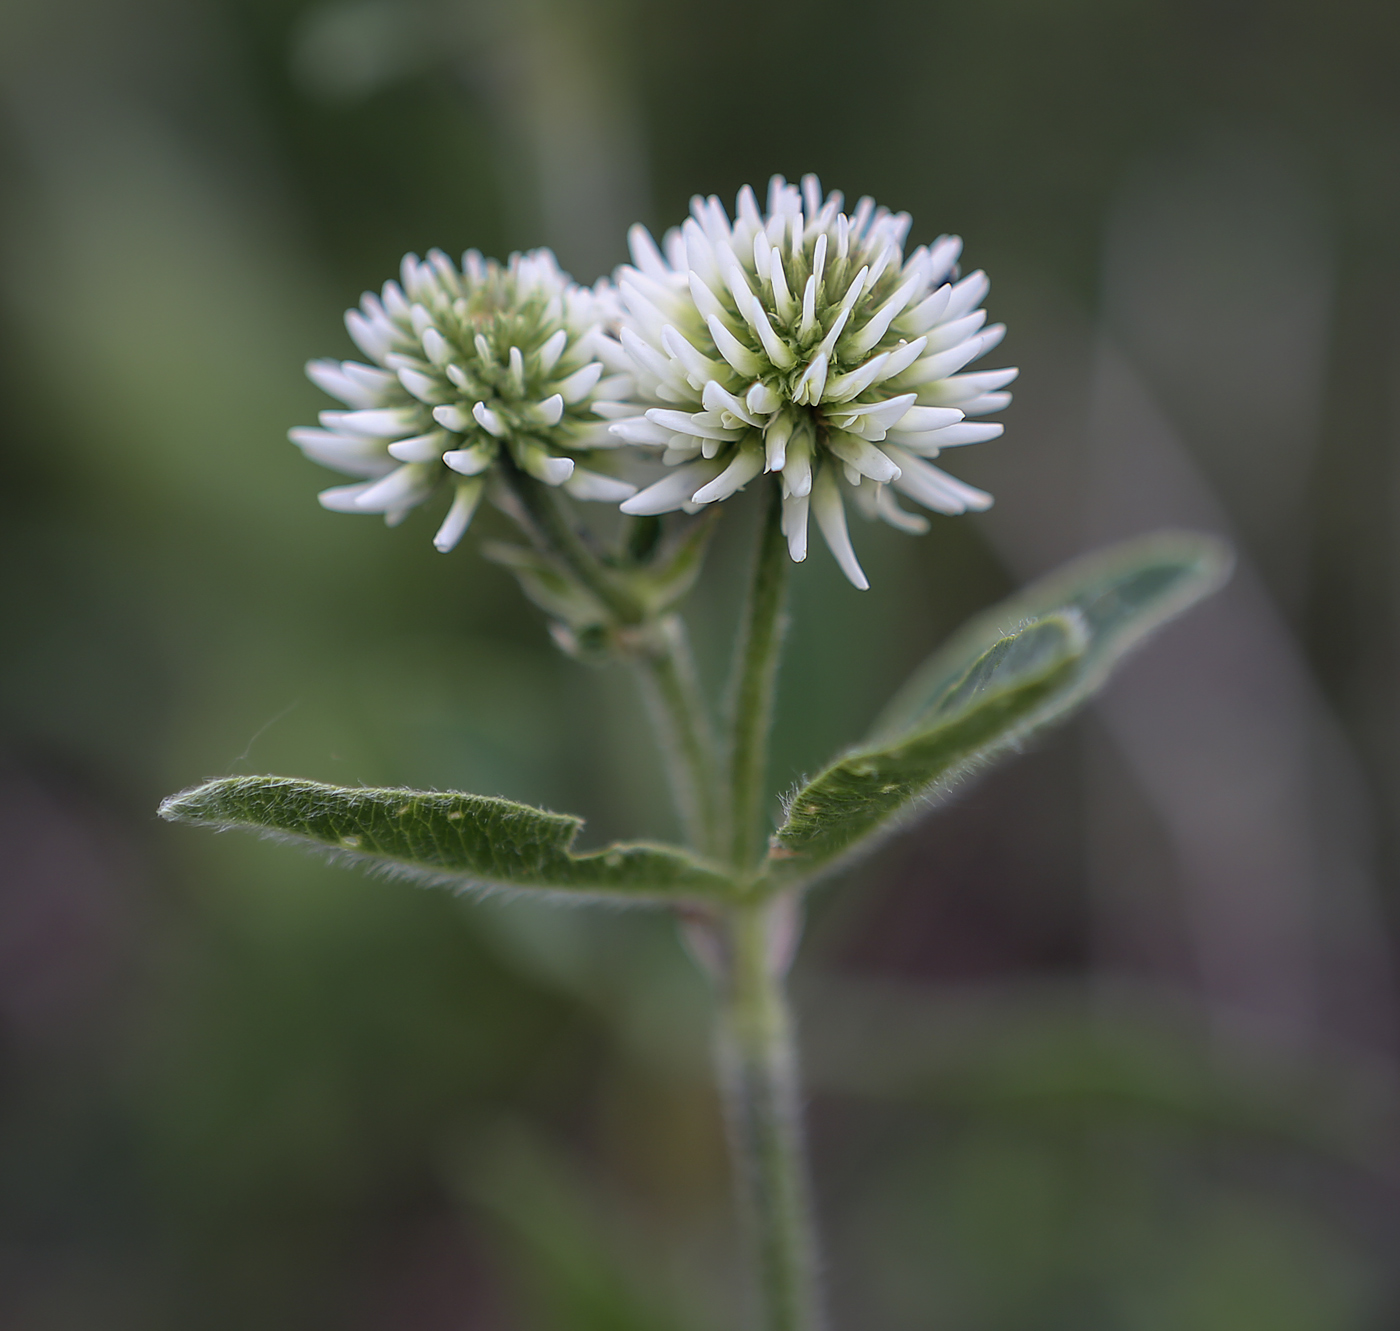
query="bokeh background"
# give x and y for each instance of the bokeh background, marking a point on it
(1110, 1043)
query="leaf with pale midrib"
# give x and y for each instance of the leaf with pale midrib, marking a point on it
(1026, 663)
(447, 837)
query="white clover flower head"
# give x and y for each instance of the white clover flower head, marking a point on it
(470, 367)
(801, 341)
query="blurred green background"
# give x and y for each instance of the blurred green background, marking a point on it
(1110, 1043)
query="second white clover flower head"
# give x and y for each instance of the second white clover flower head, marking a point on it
(801, 341)
(470, 367)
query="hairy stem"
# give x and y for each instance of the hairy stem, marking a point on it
(546, 510)
(681, 722)
(755, 678)
(659, 650)
(758, 1073)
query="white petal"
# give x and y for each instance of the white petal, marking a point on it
(719, 400)
(873, 419)
(551, 349)
(673, 491)
(548, 412)
(954, 332)
(734, 351)
(639, 430)
(865, 338)
(927, 313)
(970, 292)
(943, 256)
(843, 387)
(887, 507)
(384, 423)
(900, 359)
(953, 392)
(643, 311)
(775, 438)
(613, 411)
(813, 382)
(952, 436)
(783, 303)
(452, 418)
(696, 366)
(645, 254)
(615, 387)
(705, 300)
(422, 447)
(922, 419)
(437, 347)
(795, 525)
(363, 390)
(864, 457)
(831, 518)
(647, 357)
(935, 489)
(853, 293)
(808, 326)
(684, 451)
(403, 488)
(352, 454)
(489, 420)
(343, 498)
(747, 464)
(543, 467)
(593, 485)
(700, 424)
(471, 461)
(373, 338)
(459, 516)
(422, 386)
(762, 400)
(797, 466)
(581, 383)
(986, 403)
(992, 337)
(931, 368)
(778, 351)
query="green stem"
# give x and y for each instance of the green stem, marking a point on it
(545, 508)
(755, 677)
(681, 722)
(660, 653)
(758, 1072)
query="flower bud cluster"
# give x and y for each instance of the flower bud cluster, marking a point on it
(802, 341)
(797, 340)
(470, 367)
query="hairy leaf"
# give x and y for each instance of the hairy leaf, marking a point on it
(447, 837)
(1020, 666)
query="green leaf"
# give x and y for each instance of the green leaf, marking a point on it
(448, 838)
(1022, 665)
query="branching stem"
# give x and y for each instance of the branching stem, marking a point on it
(755, 1047)
(682, 724)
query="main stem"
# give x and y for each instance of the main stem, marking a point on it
(756, 1049)
(763, 1102)
(755, 678)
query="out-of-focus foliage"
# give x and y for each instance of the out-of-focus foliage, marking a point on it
(245, 1089)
